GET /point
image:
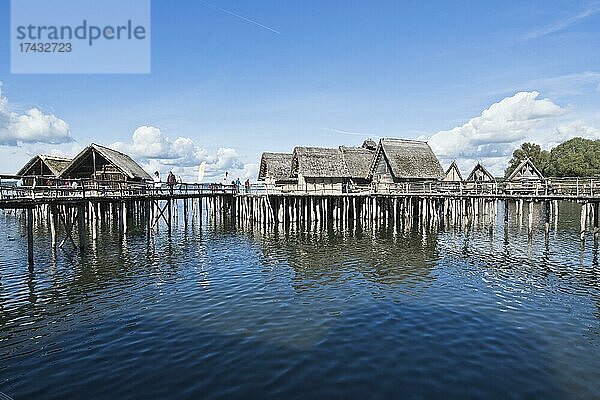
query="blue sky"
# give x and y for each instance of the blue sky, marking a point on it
(284, 73)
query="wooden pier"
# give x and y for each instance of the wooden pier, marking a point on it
(73, 209)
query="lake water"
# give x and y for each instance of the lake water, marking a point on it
(219, 312)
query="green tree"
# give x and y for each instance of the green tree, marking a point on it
(575, 157)
(540, 158)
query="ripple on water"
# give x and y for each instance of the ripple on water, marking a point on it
(219, 313)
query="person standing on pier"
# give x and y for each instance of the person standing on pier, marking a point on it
(171, 182)
(157, 183)
(238, 184)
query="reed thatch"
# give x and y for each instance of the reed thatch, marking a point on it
(318, 162)
(369, 144)
(335, 163)
(96, 159)
(453, 173)
(358, 161)
(275, 166)
(480, 174)
(406, 160)
(44, 165)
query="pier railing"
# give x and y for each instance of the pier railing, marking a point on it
(566, 187)
(94, 188)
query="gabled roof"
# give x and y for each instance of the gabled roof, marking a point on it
(453, 173)
(358, 161)
(479, 171)
(276, 166)
(408, 159)
(122, 161)
(525, 170)
(369, 144)
(54, 163)
(319, 162)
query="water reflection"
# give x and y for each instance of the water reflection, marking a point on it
(215, 311)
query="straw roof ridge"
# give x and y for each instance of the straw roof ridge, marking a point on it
(410, 159)
(275, 166)
(358, 161)
(319, 162)
(56, 164)
(122, 161)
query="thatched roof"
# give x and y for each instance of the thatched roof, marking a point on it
(276, 166)
(54, 163)
(358, 161)
(341, 162)
(369, 144)
(409, 159)
(526, 170)
(480, 174)
(121, 161)
(318, 162)
(453, 173)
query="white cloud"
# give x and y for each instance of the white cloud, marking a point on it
(156, 152)
(31, 127)
(500, 129)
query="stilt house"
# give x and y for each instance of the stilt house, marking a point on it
(402, 160)
(453, 174)
(275, 169)
(480, 179)
(332, 169)
(42, 168)
(104, 164)
(526, 171)
(526, 177)
(480, 174)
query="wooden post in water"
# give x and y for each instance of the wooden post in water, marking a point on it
(147, 215)
(81, 226)
(185, 213)
(124, 216)
(530, 217)
(169, 215)
(596, 209)
(547, 216)
(53, 225)
(30, 239)
(583, 220)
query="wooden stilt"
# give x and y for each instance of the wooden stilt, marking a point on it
(30, 239)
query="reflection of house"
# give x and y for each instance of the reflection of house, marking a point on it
(275, 168)
(480, 174)
(104, 164)
(401, 160)
(382, 261)
(453, 173)
(41, 168)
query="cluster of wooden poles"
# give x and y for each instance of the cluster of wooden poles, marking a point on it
(86, 217)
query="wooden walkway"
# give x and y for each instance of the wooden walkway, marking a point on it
(76, 207)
